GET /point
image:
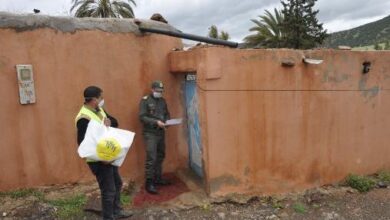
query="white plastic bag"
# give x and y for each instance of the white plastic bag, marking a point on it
(102, 143)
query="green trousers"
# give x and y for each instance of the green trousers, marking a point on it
(155, 154)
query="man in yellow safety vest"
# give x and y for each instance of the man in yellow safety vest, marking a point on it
(107, 175)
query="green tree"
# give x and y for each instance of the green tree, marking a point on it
(377, 46)
(103, 8)
(214, 33)
(300, 25)
(268, 32)
(224, 35)
(387, 45)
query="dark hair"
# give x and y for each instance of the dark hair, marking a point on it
(92, 92)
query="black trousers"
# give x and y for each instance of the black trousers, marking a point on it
(110, 184)
(155, 154)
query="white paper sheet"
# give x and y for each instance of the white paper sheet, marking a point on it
(175, 121)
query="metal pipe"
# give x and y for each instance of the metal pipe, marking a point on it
(189, 36)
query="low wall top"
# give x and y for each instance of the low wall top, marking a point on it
(28, 22)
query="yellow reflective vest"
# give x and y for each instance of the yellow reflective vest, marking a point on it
(88, 113)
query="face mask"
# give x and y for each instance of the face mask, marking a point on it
(157, 94)
(101, 103)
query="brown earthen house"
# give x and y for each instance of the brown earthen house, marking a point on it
(252, 125)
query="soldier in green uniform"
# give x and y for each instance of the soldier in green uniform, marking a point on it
(153, 114)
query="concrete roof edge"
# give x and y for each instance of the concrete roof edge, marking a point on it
(29, 22)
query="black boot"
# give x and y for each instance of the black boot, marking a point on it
(123, 214)
(150, 188)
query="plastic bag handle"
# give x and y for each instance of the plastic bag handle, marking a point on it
(107, 127)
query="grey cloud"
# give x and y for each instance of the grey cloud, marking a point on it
(54, 7)
(232, 16)
(352, 9)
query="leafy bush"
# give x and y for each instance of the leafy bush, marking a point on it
(384, 176)
(299, 208)
(361, 183)
(125, 199)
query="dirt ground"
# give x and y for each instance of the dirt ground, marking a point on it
(323, 203)
(331, 202)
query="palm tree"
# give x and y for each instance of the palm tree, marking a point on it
(103, 8)
(268, 30)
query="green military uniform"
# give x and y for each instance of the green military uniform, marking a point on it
(152, 110)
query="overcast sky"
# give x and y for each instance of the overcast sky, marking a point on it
(233, 16)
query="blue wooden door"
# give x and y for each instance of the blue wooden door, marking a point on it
(194, 138)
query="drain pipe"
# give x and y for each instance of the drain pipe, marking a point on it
(187, 36)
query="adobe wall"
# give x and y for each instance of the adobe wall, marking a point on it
(38, 141)
(267, 128)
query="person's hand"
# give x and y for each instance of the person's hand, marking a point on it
(161, 124)
(107, 122)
